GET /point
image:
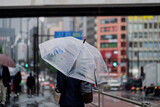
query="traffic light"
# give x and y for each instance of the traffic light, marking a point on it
(26, 65)
(114, 64)
(124, 76)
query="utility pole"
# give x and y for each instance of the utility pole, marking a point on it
(138, 60)
(27, 43)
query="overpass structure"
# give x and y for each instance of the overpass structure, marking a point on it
(48, 8)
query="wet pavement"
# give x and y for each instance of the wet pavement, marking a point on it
(36, 101)
(138, 96)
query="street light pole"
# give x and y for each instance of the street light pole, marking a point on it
(138, 61)
(37, 56)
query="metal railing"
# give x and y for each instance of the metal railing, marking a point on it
(141, 104)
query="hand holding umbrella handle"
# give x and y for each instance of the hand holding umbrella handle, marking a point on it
(56, 89)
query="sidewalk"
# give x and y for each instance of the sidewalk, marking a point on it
(36, 101)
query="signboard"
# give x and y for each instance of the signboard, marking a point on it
(76, 34)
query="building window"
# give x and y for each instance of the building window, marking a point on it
(145, 26)
(145, 54)
(150, 54)
(155, 35)
(135, 54)
(108, 45)
(123, 69)
(104, 45)
(106, 21)
(150, 35)
(135, 35)
(130, 54)
(155, 44)
(150, 45)
(112, 45)
(150, 25)
(123, 27)
(102, 29)
(140, 26)
(145, 44)
(155, 17)
(155, 54)
(140, 35)
(123, 19)
(135, 44)
(155, 25)
(123, 44)
(123, 36)
(123, 52)
(129, 35)
(109, 29)
(140, 54)
(135, 26)
(140, 44)
(123, 60)
(108, 37)
(130, 44)
(130, 26)
(145, 35)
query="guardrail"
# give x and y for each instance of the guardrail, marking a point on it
(141, 104)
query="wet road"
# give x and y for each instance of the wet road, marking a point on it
(36, 101)
(48, 100)
(138, 96)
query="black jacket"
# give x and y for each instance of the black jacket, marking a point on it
(6, 76)
(17, 79)
(30, 81)
(70, 91)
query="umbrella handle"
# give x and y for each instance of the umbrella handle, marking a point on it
(84, 40)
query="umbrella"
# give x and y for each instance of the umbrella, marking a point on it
(20, 68)
(75, 59)
(60, 53)
(14, 70)
(6, 61)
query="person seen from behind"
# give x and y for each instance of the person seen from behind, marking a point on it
(70, 91)
(30, 85)
(16, 83)
(5, 81)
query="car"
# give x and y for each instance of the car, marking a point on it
(134, 84)
(115, 85)
(45, 85)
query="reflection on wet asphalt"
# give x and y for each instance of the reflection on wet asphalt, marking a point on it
(13, 104)
(36, 101)
(138, 96)
(27, 105)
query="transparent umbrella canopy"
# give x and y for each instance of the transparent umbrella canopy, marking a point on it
(75, 58)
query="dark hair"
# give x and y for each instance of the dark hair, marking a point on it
(30, 74)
